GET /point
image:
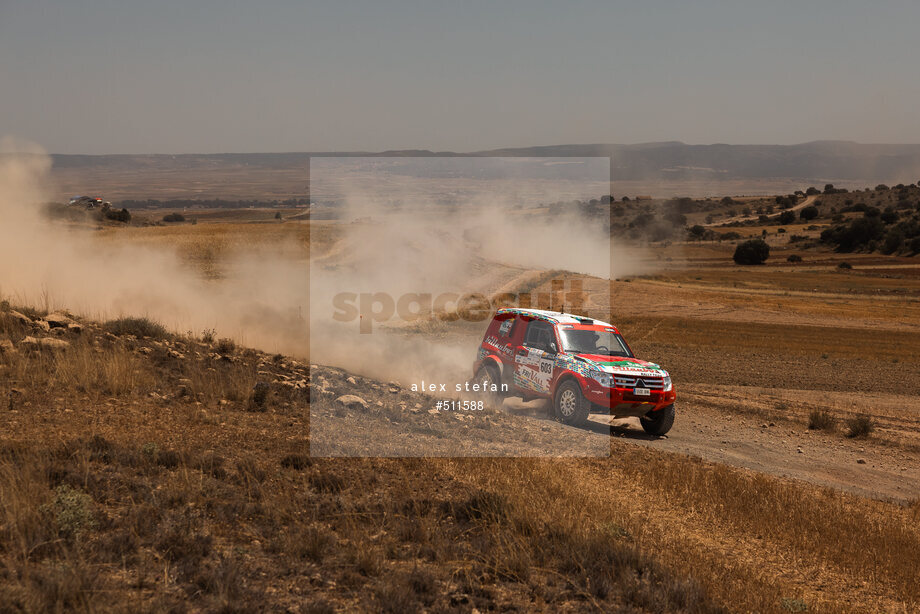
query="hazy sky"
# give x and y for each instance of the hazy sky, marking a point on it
(169, 76)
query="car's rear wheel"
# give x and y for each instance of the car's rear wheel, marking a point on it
(488, 377)
(658, 422)
(570, 405)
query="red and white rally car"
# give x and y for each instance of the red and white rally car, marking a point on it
(582, 365)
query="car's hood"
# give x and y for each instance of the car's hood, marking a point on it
(620, 365)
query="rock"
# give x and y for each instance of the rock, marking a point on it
(7, 347)
(860, 461)
(321, 392)
(57, 320)
(799, 450)
(44, 342)
(73, 327)
(351, 401)
(352, 381)
(21, 318)
(43, 325)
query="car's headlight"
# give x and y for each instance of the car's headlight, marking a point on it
(667, 383)
(603, 378)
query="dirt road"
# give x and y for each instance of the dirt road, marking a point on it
(868, 467)
(743, 218)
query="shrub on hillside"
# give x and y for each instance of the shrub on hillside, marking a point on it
(889, 217)
(860, 426)
(893, 242)
(754, 251)
(139, 327)
(809, 213)
(173, 217)
(859, 233)
(118, 215)
(786, 217)
(794, 258)
(820, 420)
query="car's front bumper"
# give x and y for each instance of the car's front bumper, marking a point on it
(623, 402)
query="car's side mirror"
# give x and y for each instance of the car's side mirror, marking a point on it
(552, 349)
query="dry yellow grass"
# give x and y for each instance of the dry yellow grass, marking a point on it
(111, 494)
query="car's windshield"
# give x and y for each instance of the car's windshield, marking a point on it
(580, 341)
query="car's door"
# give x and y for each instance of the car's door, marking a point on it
(535, 357)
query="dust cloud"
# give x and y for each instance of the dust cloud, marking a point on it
(396, 253)
(49, 265)
(285, 301)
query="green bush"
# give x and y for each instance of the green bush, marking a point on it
(754, 251)
(72, 511)
(139, 327)
(893, 242)
(820, 420)
(860, 426)
(859, 233)
(118, 215)
(809, 213)
(889, 217)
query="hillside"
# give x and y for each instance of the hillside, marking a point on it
(174, 473)
(657, 168)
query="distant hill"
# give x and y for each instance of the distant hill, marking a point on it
(841, 160)
(662, 168)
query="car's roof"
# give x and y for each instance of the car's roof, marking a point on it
(554, 317)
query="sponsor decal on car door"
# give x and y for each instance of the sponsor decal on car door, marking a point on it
(533, 369)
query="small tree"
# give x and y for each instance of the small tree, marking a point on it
(889, 217)
(786, 217)
(809, 213)
(754, 251)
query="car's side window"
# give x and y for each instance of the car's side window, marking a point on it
(539, 335)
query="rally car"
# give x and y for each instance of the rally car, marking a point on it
(580, 364)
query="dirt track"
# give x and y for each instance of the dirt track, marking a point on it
(779, 447)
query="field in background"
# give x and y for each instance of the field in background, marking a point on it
(139, 469)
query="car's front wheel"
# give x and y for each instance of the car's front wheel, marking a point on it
(570, 404)
(658, 422)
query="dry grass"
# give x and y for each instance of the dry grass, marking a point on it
(161, 502)
(860, 426)
(733, 530)
(131, 476)
(820, 420)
